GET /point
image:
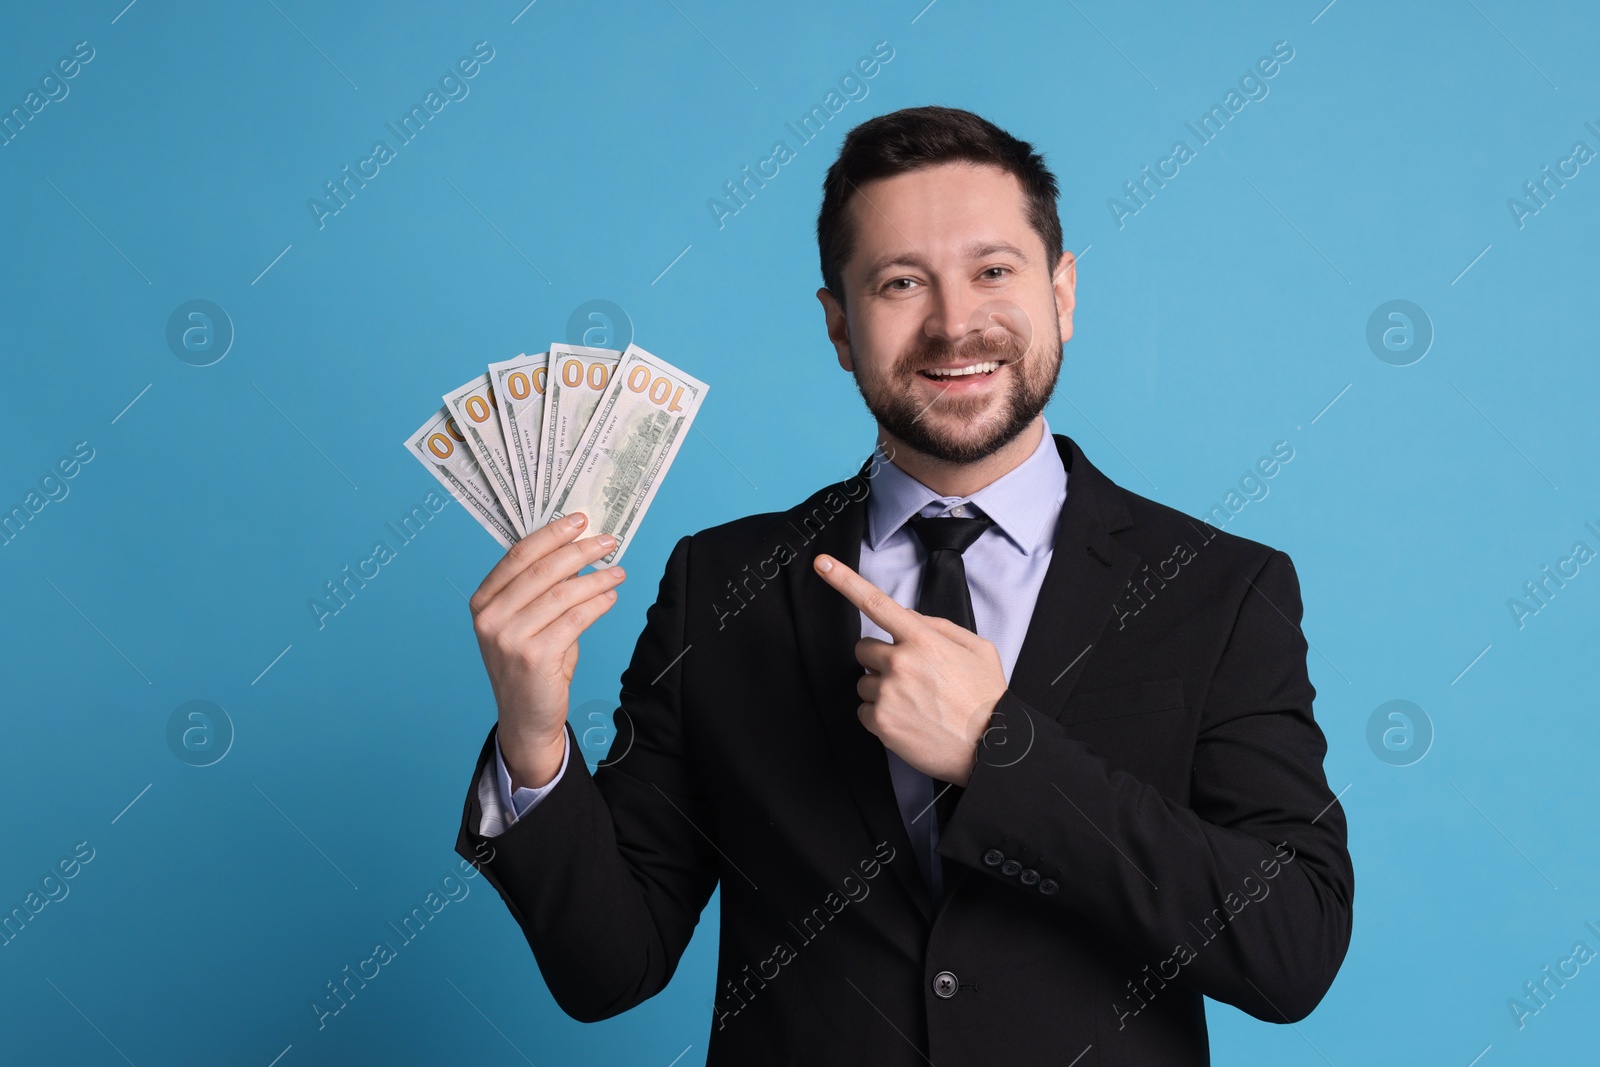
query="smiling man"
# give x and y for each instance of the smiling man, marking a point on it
(966, 803)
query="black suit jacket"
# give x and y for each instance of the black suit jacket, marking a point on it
(1148, 821)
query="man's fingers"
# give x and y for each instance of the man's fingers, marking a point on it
(898, 622)
(536, 545)
(532, 618)
(873, 654)
(570, 624)
(549, 571)
(954, 631)
(868, 714)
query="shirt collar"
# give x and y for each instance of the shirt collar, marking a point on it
(1023, 502)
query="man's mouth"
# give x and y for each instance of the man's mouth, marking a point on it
(964, 372)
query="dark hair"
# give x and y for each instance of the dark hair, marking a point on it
(916, 137)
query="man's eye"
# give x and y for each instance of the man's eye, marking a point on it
(895, 284)
(994, 273)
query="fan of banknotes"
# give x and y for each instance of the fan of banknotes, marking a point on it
(574, 429)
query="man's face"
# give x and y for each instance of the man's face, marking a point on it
(947, 275)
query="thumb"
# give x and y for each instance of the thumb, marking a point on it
(953, 631)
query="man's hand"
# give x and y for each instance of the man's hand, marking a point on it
(528, 614)
(927, 695)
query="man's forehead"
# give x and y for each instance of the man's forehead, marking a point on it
(961, 209)
(957, 184)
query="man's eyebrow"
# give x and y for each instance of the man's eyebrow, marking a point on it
(974, 250)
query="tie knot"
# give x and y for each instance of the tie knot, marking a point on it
(946, 533)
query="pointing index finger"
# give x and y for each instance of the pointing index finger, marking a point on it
(897, 621)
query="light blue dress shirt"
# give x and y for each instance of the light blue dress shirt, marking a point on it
(1005, 568)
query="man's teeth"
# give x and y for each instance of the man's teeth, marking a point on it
(959, 372)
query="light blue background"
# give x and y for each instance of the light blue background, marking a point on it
(1225, 316)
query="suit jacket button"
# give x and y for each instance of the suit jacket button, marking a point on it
(1048, 886)
(1029, 876)
(993, 857)
(1010, 868)
(944, 984)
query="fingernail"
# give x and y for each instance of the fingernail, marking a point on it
(576, 521)
(615, 572)
(606, 541)
(824, 564)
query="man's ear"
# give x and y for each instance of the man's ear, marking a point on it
(1064, 282)
(838, 329)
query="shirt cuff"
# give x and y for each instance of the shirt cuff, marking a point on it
(501, 805)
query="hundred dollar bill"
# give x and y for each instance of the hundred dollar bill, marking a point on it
(440, 446)
(473, 406)
(578, 375)
(519, 387)
(638, 426)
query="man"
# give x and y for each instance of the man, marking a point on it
(1033, 820)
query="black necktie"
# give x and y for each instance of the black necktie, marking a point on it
(944, 593)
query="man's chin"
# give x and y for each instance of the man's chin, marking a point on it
(953, 429)
(959, 442)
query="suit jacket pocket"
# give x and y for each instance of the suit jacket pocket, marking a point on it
(1141, 728)
(1123, 701)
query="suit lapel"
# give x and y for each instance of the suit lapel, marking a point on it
(1088, 571)
(828, 627)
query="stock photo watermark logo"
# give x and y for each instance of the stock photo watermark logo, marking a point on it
(1399, 332)
(852, 87)
(1539, 992)
(735, 996)
(741, 591)
(1399, 733)
(996, 745)
(199, 732)
(343, 990)
(599, 324)
(343, 589)
(1139, 592)
(1254, 890)
(605, 733)
(199, 332)
(53, 488)
(53, 889)
(1145, 585)
(1538, 192)
(1538, 592)
(342, 190)
(1252, 486)
(1206, 128)
(53, 88)
(591, 721)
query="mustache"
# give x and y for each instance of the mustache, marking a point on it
(932, 352)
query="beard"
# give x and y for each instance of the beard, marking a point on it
(962, 429)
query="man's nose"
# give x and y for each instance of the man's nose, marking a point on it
(949, 314)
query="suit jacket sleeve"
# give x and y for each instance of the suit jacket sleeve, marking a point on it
(1259, 854)
(607, 875)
